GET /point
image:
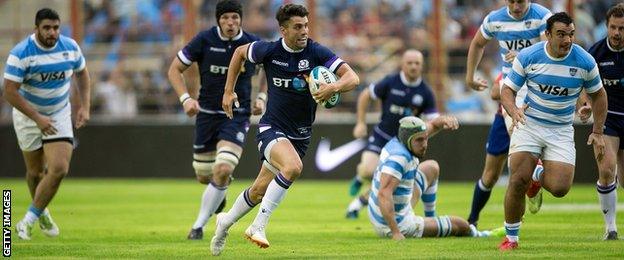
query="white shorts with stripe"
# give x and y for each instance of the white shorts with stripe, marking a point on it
(29, 136)
(551, 143)
(411, 226)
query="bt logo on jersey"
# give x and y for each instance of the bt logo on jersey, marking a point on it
(282, 83)
(218, 69)
(611, 82)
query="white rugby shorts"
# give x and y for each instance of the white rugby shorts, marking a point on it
(411, 226)
(29, 136)
(552, 143)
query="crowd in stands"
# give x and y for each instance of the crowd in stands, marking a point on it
(130, 43)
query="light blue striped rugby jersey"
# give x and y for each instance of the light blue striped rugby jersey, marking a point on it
(398, 162)
(513, 34)
(45, 73)
(554, 84)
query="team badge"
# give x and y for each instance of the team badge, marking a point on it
(417, 100)
(240, 136)
(573, 71)
(527, 24)
(304, 65)
(66, 55)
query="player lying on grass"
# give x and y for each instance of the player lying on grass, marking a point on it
(398, 179)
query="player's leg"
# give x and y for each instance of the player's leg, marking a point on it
(56, 152)
(57, 155)
(521, 165)
(558, 158)
(217, 180)
(35, 169)
(444, 226)
(497, 148)
(245, 201)
(606, 186)
(203, 164)
(365, 170)
(285, 162)
(430, 171)
(35, 165)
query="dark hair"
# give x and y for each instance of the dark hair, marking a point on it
(561, 17)
(46, 13)
(228, 6)
(615, 11)
(289, 10)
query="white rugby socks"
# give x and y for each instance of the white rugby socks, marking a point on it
(275, 193)
(608, 199)
(212, 197)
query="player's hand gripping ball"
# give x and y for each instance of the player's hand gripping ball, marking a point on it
(323, 74)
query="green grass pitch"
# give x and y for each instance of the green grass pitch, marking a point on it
(150, 218)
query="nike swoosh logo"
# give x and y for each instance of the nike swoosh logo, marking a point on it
(328, 159)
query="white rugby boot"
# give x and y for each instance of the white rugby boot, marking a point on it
(217, 243)
(47, 225)
(256, 235)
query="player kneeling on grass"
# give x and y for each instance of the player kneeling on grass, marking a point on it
(398, 179)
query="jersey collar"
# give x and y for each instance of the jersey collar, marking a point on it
(611, 48)
(415, 83)
(288, 49)
(523, 17)
(34, 39)
(223, 38)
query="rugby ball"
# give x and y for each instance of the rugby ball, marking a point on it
(323, 74)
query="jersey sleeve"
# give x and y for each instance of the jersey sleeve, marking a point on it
(15, 68)
(394, 166)
(430, 110)
(328, 58)
(193, 51)
(378, 90)
(258, 51)
(592, 82)
(80, 63)
(542, 25)
(516, 77)
(486, 28)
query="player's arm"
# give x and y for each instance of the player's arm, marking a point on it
(443, 122)
(261, 98)
(74, 100)
(496, 87)
(234, 69)
(347, 81)
(11, 94)
(475, 53)
(176, 78)
(359, 131)
(599, 107)
(583, 106)
(508, 100)
(386, 203)
(84, 89)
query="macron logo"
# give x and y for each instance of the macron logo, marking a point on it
(328, 159)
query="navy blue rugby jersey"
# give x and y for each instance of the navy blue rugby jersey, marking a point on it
(290, 105)
(213, 53)
(401, 98)
(611, 67)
